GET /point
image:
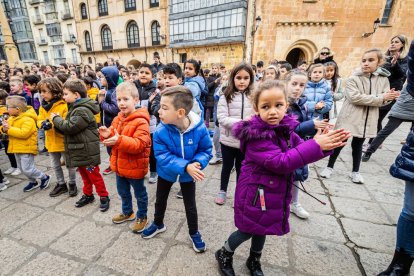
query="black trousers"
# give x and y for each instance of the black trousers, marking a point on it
(152, 160)
(356, 145)
(188, 189)
(393, 124)
(11, 156)
(383, 111)
(232, 157)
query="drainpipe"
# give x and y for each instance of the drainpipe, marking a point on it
(145, 36)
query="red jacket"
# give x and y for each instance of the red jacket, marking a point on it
(130, 155)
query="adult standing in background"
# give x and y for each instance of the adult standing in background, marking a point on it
(323, 56)
(157, 65)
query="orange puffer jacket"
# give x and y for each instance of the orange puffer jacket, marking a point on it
(130, 155)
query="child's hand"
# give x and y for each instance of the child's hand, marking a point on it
(5, 126)
(322, 124)
(391, 95)
(111, 141)
(53, 115)
(329, 140)
(320, 105)
(194, 169)
(151, 98)
(101, 95)
(104, 131)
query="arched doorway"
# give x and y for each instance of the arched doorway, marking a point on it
(134, 63)
(294, 56)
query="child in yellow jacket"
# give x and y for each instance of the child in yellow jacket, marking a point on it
(51, 91)
(22, 132)
(92, 94)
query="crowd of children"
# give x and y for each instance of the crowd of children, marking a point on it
(269, 124)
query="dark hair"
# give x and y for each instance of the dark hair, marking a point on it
(301, 62)
(335, 76)
(17, 70)
(231, 88)
(76, 72)
(5, 86)
(173, 69)
(63, 77)
(53, 85)
(76, 86)
(287, 66)
(3, 96)
(64, 65)
(98, 68)
(267, 85)
(88, 80)
(31, 79)
(254, 67)
(206, 71)
(91, 74)
(181, 97)
(260, 63)
(197, 67)
(146, 65)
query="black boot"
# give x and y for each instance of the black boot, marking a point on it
(73, 190)
(400, 264)
(104, 206)
(84, 200)
(225, 262)
(253, 264)
(58, 190)
(366, 157)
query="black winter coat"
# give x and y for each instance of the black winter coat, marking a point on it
(81, 133)
(398, 72)
(212, 86)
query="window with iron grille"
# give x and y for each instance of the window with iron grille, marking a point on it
(102, 7)
(88, 43)
(132, 34)
(106, 38)
(387, 12)
(130, 5)
(84, 13)
(155, 33)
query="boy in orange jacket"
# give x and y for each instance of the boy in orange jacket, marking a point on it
(129, 137)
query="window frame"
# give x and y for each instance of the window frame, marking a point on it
(155, 33)
(132, 39)
(154, 3)
(387, 12)
(84, 11)
(132, 5)
(102, 7)
(106, 38)
(88, 41)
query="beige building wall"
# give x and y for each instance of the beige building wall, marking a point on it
(8, 45)
(117, 20)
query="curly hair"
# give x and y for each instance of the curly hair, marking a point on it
(53, 85)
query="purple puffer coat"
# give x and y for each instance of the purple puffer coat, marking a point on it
(269, 162)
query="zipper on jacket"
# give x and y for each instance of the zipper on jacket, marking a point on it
(242, 109)
(366, 118)
(288, 179)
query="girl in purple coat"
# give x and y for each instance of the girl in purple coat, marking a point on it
(273, 151)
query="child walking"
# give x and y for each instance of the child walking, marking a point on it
(365, 92)
(335, 82)
(130, 140)
(318, 92)
(273, 152)
(22, 132)
(233, 106)
(82, 141)
(183, 148)
(51, 90)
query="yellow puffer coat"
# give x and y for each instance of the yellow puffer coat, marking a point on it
(92, 94)
(53, 139)
(23, 132)
(3, 109)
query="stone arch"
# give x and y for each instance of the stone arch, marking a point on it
(134, 62)
(307, 47)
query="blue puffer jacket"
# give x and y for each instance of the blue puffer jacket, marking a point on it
(110, 106)
(175, 150)
(316, 92)
(197, 86)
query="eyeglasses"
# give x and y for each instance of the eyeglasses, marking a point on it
(11, 106)
(325, 53)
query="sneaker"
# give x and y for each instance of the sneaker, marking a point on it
(139, 225)
(121, 218)
(215, 160)
(356, 178)
(104, 206)
(366, 157)
(16, 172)
(44, 152)
(221, 198)
(59, 190)
(107, 171)
(298, 210)
(153, 177)
(73, 190)
(179, 194)
(3, 184)
(327, 172)
(153, 230)
(44, 183)
(84, 200)
(31, 186)
(365, 147)
(199, 245)
(9, 170)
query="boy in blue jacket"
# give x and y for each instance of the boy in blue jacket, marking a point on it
(183, 149)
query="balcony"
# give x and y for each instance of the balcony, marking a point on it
(66, 15)
(34, 2)
(38, 20)
(52, 16)
(42, 41)
(56, 38)
(70, 38)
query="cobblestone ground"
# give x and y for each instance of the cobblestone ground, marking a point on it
(354, 234)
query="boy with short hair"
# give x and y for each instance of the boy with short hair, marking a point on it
(82, 141)
(183, 148)
(22, 131)
(129, 137)
(16, 88)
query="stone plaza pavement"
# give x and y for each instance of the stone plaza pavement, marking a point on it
(354, 234)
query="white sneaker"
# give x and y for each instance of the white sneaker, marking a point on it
(3, 184)
(298, 210)
(16, 172)
(356, 178)
(9, 170)
(215, 161)
(327, 172)
(153, 177)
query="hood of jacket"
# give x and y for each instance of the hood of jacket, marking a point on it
(92, 105)
(142, 89)
(198, 79)
(300, 101)
(256, 128)
(379, 72)
(322, 83)
(30, 112)
(111, 74)
(138, 113)
(195, 121)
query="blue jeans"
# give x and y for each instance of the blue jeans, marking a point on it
(405, 226)
(123, 186)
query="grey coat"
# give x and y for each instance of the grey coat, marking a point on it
(404, 107)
